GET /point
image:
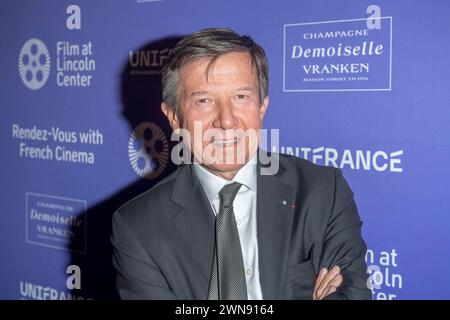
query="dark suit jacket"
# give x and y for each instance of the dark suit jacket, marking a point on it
(306, 219)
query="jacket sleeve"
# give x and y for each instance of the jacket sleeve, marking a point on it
(138, 277)
(343, 244)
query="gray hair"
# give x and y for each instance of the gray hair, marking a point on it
(211, 43)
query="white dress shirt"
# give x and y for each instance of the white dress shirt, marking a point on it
(244, 207)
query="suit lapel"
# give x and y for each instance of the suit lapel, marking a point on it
(275, 209)
(194, 222)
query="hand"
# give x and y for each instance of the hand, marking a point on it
(327, 282)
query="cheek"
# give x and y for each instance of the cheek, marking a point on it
(189, 120)
(193, 115)
(197, 126)
(251, 119)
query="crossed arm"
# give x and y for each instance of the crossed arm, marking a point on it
(343, 269)
(343, 273)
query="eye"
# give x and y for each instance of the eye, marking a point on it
(203, 100)
(241, 96)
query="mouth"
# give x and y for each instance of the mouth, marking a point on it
(225, 142)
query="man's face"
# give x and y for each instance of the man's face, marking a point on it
(221, 100)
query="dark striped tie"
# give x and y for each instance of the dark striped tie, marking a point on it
(227, 276)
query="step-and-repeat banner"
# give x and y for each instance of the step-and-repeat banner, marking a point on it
(359, 85)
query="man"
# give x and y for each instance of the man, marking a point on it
(221, 228)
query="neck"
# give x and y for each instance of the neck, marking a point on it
(227, 175)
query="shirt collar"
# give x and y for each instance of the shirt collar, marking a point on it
(212, 184)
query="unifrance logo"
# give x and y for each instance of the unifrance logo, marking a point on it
(148, 150)
(354, 159)
(34, 64)
(148, 61)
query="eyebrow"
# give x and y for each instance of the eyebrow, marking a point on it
(202, 92)
(245, 89)
(198, 93)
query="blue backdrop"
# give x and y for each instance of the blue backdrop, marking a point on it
(364, 88)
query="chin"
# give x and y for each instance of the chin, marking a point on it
(225, 168)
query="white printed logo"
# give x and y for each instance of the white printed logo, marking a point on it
(367, 160)
(34, 64)
(148, 150)
(385, 281)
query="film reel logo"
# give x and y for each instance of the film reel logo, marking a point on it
(148, 150)
(34, 64)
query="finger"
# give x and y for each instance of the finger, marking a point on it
(325, 280)
(329, 291)
(339, 279)
(335, 282)
(329, 287)
(328, 277)
(319, 279)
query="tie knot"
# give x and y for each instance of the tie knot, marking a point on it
(228, 193)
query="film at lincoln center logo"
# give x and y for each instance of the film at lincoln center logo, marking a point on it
(148, 150)
(34, 64)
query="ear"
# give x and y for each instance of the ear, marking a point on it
(171, 116)
(263, 108)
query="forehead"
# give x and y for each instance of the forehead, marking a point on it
(227, 69)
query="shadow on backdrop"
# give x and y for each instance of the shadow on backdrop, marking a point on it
(141, 100)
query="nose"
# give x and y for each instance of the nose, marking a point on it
(225, 118)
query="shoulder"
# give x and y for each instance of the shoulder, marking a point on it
(307, 171)
(313, 179)
(316, 181)
(150, 207)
